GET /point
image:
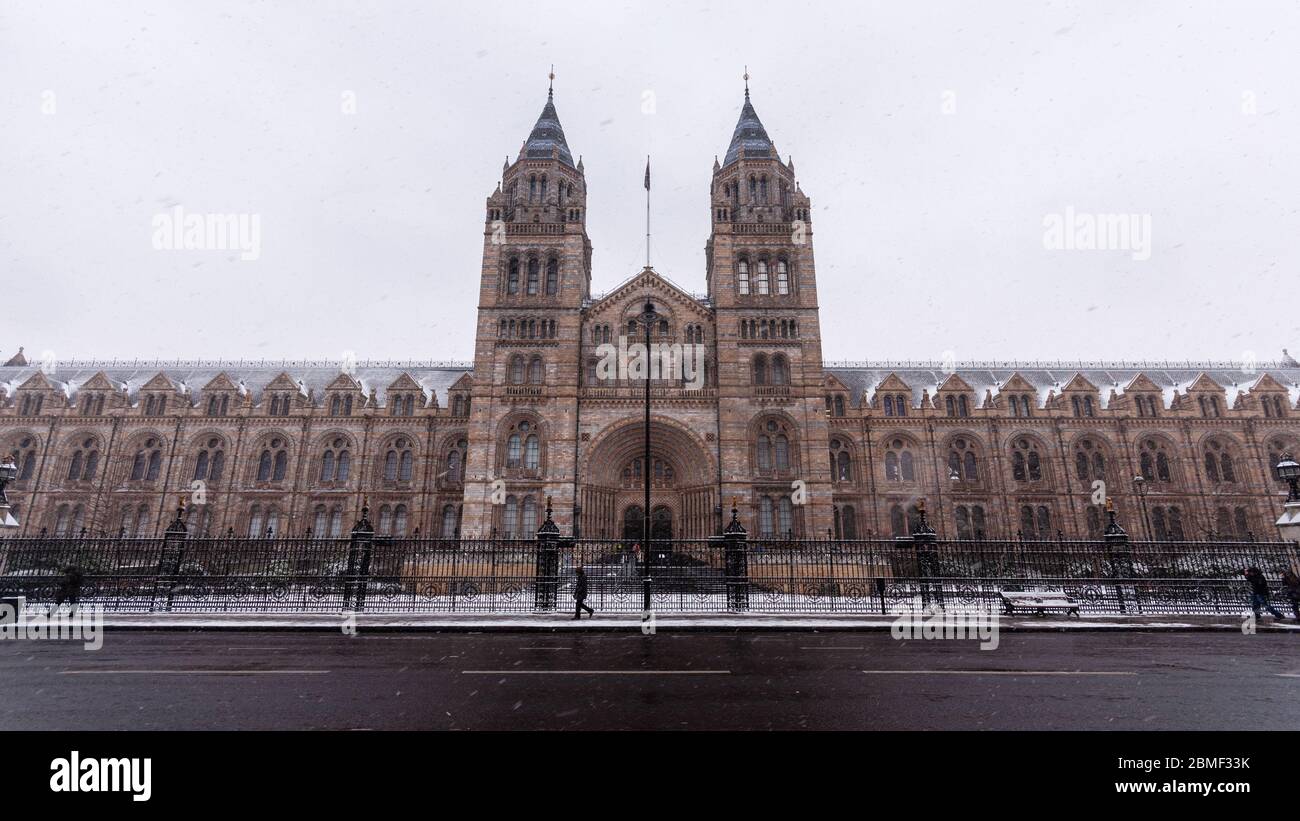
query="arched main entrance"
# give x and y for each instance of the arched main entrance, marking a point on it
(661, 523)
(681, 474)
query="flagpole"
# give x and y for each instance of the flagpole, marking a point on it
(647, 210)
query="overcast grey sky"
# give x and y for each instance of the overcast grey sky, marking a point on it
(933, 138)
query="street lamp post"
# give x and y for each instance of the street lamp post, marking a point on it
(1288, 470)
(648, 317)
(1140, 483)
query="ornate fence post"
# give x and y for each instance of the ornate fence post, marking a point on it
(359, 549)
(927, 556)
(736, 562)
(171, 559)
(546, 591)
(1119, 557)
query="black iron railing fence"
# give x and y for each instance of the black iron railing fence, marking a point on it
(726, 573)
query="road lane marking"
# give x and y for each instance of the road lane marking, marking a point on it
(595, 672)
(832, 648)
(194, 672)
(1288, 675)
(999, 673)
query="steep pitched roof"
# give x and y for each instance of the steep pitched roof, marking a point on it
(547, 137)
(749, 136)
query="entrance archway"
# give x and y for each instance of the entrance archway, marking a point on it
(681, 474)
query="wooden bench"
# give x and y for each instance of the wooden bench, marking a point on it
(1040, 601)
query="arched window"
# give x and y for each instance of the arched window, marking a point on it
(772, 442)
(148, 461)
(512, 278)
(1026, 464)
(552, 276)
(511, 521)
(320, 522)
(897, 521)
(517, 372)
(899, 466)
(1219, 467)
(780, 370)
(84, 462)
(1154, 461)
(765, 525)
(536, 371)
(534, 272)
(760, 369)
(839, 405)
(760, 278)
(889, 406)
(742, 276)
(782, 277)
(849, 522)
(210, 461)
(398, 461)
(841, 461)
(530, 517)
(519, 452)
(449, 523)
(273, 462)
(962, 463)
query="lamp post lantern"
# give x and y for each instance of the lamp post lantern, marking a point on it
(8, 472)
(8, 524)
(1288, 470)
(648, 317)
(1140, 483)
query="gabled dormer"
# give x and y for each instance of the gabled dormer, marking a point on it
(838, 396)
(893, 397)
(1270, 396)
(157, 395)
(282, 396)
(35, 395)
(343, 396)
(1143, 397)
(954, 397)
(460, 396)
(1207, 397)
(94, 394)
(220, 396)
(404, 396)
(1019, 396)
(1081, 397)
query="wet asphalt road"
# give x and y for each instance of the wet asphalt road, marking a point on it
(797, 680)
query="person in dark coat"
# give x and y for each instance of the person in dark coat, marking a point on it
(1259, 592)
(69, 589)
(580, 595)
(1291, 589)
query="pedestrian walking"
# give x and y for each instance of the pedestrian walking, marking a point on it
(580, 595)
(1259, 592)
(1291, 589)
(69, 589)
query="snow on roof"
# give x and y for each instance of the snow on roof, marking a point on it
(435, 378)
(864, 378)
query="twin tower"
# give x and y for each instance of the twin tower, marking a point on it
(546, 423)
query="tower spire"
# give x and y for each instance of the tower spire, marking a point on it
(746, 82)
(550, 89)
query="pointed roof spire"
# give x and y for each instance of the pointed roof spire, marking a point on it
(749, 137)
(19, 360)
(547, 138)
